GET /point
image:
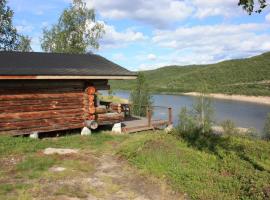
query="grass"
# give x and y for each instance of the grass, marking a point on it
(204, 171)
(244, 76)
(28, 174)
(34, 166)
(203, 167)
(113, 99)
(21, 145)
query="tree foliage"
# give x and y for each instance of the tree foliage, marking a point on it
(266, 130)
(75, 32)
(186, 121)
(243, 76)
(10, 40)
(203, 113)
(8, 34)
(198, 119)
(140, 96)
(249, 5)
(229, 127)
(25, 44)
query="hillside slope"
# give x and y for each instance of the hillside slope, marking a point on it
(250, 76)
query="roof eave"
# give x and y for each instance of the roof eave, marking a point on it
(54, 77)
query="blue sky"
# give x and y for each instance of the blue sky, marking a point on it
(146, 34)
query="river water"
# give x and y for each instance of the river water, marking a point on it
(243, 114)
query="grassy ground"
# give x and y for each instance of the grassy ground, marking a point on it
(225, 168)
(244, 76)
(113, 99)
(214, 168)
(25, 174)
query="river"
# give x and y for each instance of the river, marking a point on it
(243, 114)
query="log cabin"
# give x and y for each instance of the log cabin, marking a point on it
(45, 92)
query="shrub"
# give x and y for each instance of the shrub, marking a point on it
(252, 133)
(140, 96)
(186, 122)
(199, 119)
(229, 127)
(203, 113)
(266, 130)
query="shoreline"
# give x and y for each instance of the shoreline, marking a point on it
(264, 100)
(251, 99)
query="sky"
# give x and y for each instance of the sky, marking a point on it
(147, 34)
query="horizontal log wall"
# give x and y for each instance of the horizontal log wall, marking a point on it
(42, 105)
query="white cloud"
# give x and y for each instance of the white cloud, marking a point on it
(162, 13)
(267, 17)
(151, 56)
(208, 8)
(114, 39)
(225, 37)
(209, 44)
(158, 13)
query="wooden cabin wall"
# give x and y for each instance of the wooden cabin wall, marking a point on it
(28, 106)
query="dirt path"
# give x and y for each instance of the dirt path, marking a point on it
(111, 179)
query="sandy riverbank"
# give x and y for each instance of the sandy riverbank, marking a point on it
(252, 99)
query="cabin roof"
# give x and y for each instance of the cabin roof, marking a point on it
(39, 65)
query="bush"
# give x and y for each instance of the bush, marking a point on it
(140, 97)
(252, 133)
(203, 113)
(197, 120)
(229, 127)
(186, 122)
(266, 130)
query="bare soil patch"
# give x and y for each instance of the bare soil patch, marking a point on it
(84, 174)
(112, 178)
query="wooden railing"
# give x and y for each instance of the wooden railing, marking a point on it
(149, 113)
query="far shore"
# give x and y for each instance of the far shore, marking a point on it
(251, 99)
(234, 97)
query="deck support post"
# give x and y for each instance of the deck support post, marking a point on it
(149, 116)
(117, 128)
(86, 131)
(170, 115)
(34, 135)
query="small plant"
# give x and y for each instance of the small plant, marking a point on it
(140, 96)
(203, 113)
(199, 119)
(186, 122)
(229, 127)
(252, 133)
(110, 93)
(266, 130)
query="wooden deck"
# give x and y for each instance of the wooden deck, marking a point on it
(143, 124)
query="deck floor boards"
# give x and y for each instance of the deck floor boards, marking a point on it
(141, 124)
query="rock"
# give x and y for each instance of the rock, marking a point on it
(34, 135)
(50, 151)
(57, 169)
(168, 129)
(86, 131)
(117, 128)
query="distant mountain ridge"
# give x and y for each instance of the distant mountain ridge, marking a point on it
(249, 76)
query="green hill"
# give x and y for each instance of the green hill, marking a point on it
(250, 76)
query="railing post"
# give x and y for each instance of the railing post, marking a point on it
(149, 116)
(170, 115)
